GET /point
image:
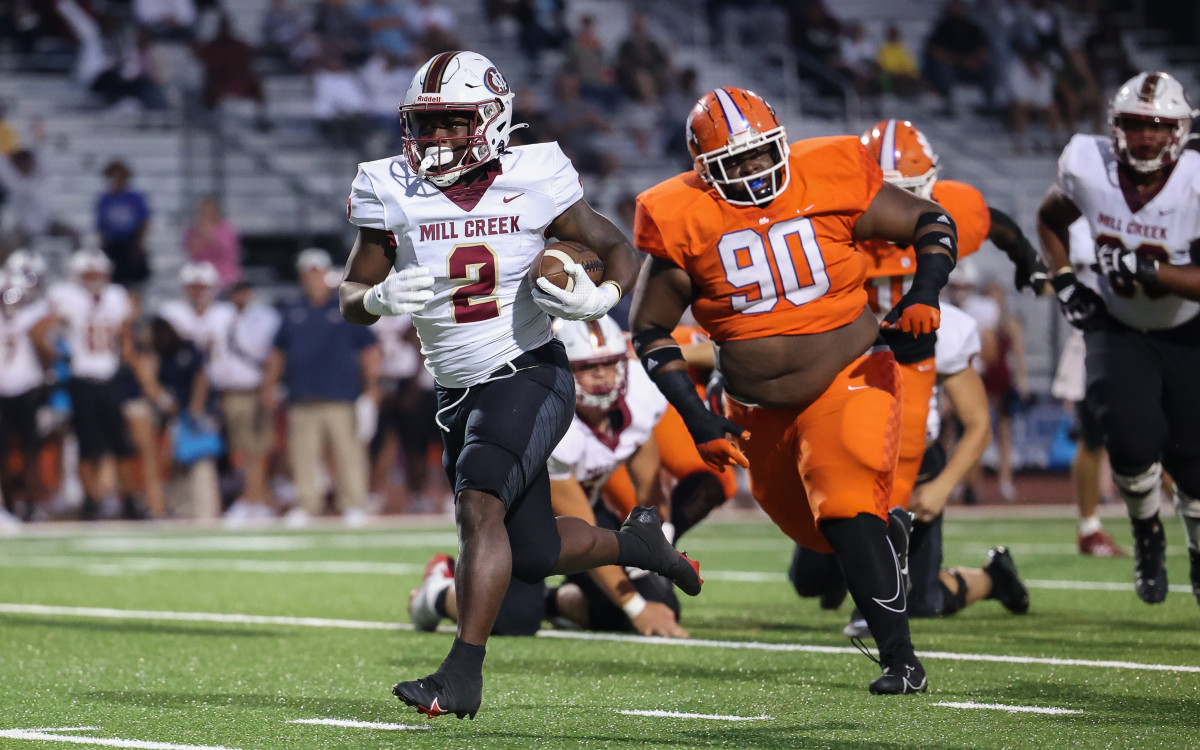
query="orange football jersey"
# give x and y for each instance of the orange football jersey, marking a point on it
(891, 265)
(786, 268)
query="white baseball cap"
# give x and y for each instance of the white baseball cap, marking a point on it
(314, 258)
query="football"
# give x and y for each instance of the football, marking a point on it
(549, 264)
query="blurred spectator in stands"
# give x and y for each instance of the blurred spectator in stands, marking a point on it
(213, 239)
(406, 415)
(285, 35)
(339, 30)
(898, 69)
(245, 332)
(10, 139)
(32, 25)
(166, 20)
(385, 78)
(643, 66)
(1108, 52)
(178, 363)
(229, 70)
(326, 364)
(815, 34)
(340, 101)
(680, 97)
(31, 201)
(575, 123)
(123, 219)
(856, 58)
(542, 27)
(387, 27)
(585, 57)
(114, 61)
(428, 16)
(957, 51)
(1079, 94)
(1031, 97)
(1038, 26)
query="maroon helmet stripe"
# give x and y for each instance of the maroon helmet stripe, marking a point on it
(437, 68)
(1149, 86)
(596, 332)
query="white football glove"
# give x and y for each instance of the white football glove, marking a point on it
(585, 301)
(401, 293)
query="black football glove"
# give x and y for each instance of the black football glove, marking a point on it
(1032, 275)
(1125, 267)
(1081, 306)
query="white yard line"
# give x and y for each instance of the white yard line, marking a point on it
(46, 735)
(1010, 709)
(678, 715)
(357, 724)
(119, 565)
(320, 622)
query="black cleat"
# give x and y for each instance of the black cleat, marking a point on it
(1195, 572)
(835, 590)
(901, 679)
(1007, 587)
(643, 525)
(1150, 560)
(436, 696)
(899, 533)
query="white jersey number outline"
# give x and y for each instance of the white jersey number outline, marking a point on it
(747, 263)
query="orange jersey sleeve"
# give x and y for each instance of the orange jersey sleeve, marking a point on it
(786, 268)
(972, 218)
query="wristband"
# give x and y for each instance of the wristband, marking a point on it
(1065, 269)
(620, 291)
(635, 606)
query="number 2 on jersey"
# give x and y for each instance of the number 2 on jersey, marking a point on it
(475, 267)
(747, 260)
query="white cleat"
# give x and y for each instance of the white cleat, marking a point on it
(422, 602)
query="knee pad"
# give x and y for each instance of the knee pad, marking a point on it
(810, 571)
(531, 565)
(1142, 491)
(953, 602)
(1188, 509)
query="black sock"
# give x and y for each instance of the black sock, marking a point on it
(551, 602)
(694, 497)
(439, 604)
(873, 576)
(464, 658)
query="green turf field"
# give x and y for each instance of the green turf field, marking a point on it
(152, 638)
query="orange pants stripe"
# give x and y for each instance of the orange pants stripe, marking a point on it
(918, 379)
(834, 459)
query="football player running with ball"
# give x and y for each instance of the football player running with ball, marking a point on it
(759, 239)
(460, 218)
(1139, 191)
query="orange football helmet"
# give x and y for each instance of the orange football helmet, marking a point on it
(904, 155)
(730, 121)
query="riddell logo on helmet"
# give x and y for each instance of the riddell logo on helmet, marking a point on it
(428, 98)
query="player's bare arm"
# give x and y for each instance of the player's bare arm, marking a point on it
(1183, 280)
(1054, 217)
(371, 260)
(644, 467)
(967, 396)
(581, 223)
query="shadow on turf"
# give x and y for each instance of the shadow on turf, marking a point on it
(742, 736)
(327, 706)
(120, 626)
(1125, 709)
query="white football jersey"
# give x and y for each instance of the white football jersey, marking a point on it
(401, 358)
(584, 455)
(241, 342)
(957, 345)
(92, 326)
(479, 251)
(20, 368)
(201, 328)
(1164, 228)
